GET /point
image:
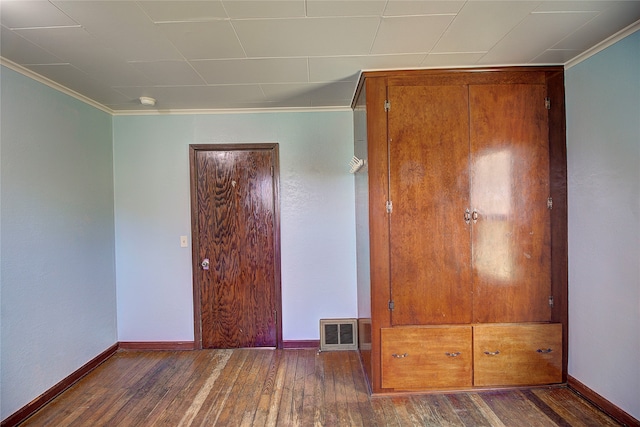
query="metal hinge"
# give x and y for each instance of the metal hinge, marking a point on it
(551, 301)
(391, 305)
(547, 103)
(387, 105)
(389, 206)
(549, 203)
(271, 170)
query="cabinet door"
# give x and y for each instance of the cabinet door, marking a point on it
(509, 192)
(426, 358)
(517, 354)
(430, 246)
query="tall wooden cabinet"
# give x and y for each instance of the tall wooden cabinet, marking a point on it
(461, 228)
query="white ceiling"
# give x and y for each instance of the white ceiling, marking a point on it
(237, 54)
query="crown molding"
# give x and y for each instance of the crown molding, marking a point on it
(57, 86)
(625, 32)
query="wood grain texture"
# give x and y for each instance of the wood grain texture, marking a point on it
(237, 228)
(509, 191)
(427, 357)
(430, 243)
(517, 354)
(262, 387)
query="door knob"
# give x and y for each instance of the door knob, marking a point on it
(205, 264)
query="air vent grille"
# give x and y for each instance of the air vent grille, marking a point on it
(338, 334)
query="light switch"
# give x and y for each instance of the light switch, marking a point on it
(183, 242)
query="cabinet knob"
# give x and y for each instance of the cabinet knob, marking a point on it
(492, 353)
(467, 216)
(400, 356)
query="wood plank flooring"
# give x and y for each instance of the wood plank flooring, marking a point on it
(263, 387)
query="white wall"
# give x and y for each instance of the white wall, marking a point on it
(57, 268)
(603, 149)
(154, 281)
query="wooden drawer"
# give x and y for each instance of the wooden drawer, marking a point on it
(518, 354)
(426, 357)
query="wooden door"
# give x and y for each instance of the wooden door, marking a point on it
(236, 232)
(430, 246)
(509, 192)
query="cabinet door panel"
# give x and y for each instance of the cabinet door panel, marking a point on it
(517, 354)
(426, 358)
(430, 246)
(509, 190)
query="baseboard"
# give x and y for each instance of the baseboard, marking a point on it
(157, 345)
(32, 407)
(602, 403)
(301, 344)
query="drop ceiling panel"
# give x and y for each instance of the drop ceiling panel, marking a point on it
(326, 69)
(26, 14)
(451, 59)
(479, 26)
(518, 46)
(616, 15)
(80, 82)
(169, 73)
(306, 36)
(345, 7)
(180, 11)
(413, 7)
(240, 9)
(123, 27)
(204, 40)
(76, 46)
(409, 34)
(222, 54)
(237, 71)
(199, 97)
(22, 51)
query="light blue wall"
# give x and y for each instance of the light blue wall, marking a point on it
(57, 269)
(154, 280)
(603, 150)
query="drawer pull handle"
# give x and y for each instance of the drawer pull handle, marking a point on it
(455, 354)
(541, 350)
(400, 356)
(492, 353)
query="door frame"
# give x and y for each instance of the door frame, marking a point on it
(195, 231)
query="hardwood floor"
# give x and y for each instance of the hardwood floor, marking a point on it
(286, 388)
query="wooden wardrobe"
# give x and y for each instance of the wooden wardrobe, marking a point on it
(461, 228)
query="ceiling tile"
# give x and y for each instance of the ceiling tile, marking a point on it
(180, 11)
(422, 7)
(306, 36)
(617, 16)
(345, 7)
(21, 51)
(410, 34)
(124, 27)
(198, 97)
(556, 56)
(204, 40)
(76, 46)
(452, 59)
(573, 6)
(78, 81)
(27, 14)
(520, 47)
(169, 73)
(262, 9)
(480, 25)
(269, 70)
(327, 69)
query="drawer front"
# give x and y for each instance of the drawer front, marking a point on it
(519, 354)
(426, 358)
